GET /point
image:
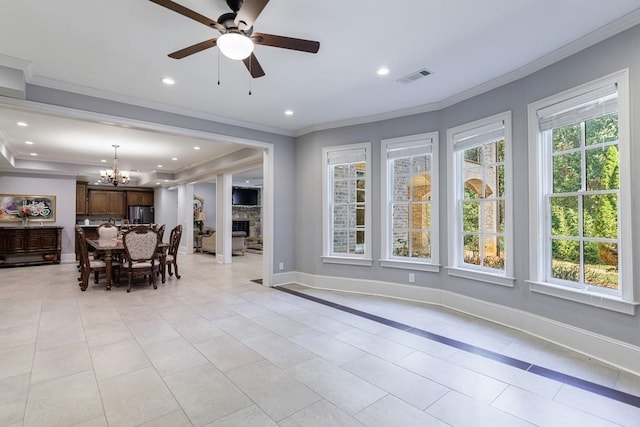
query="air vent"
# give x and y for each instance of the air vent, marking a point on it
(414, 76)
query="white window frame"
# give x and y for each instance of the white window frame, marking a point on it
(456, 267)
(539, 175)
(428, 141)
(327, 211)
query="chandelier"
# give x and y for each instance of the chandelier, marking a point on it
(115, 176)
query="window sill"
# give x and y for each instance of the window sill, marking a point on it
(409, 265)
(481, 276)
(347, 260)
(585, 297)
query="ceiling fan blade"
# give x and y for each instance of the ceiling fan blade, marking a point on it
(286, 42)
(198, 47)
(188, 13)
(254, 67)
(248, 13)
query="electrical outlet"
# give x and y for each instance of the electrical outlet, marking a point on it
(281, 266)
(412, 277)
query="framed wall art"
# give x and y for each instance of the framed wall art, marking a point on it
(24, 208)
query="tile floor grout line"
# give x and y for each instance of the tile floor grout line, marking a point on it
(582, 384)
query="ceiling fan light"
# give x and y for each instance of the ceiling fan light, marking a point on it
(235, 45)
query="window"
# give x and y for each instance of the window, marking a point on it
(410, 194)
(579, 149)
(480, 200)
(347, 204)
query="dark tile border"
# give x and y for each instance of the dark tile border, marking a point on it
(601, 390)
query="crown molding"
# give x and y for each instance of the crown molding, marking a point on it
(74, 113)
(615, 27)
(602, 33)
(50, 83)
(17, 63)
(426, 108)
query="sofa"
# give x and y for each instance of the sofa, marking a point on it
(237, 242)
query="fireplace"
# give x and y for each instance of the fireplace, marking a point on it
(240, 225)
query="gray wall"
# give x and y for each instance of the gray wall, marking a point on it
(611, 55)
(285, 206)
(166, 209)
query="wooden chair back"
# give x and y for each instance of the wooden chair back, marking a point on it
(161, 232)
(174, 240)
(81, 248)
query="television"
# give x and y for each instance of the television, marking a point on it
(244, 196)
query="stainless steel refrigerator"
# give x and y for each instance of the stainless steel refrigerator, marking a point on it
(141, 215)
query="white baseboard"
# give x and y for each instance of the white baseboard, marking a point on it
(283, 278)
(622, 355)
(68, 258)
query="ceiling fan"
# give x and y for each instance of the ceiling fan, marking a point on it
(237, 37)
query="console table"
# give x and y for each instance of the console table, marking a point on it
(30, 245)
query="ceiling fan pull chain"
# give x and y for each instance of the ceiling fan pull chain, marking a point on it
(250, 76)
(218, 67)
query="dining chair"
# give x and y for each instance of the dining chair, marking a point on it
(161, 233)
(172, 252)
(77, 232)
(124, 225)
(107, 230)
(88, 265)
(140, 246)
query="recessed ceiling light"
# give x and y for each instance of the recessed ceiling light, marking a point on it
(168, 81)
(33, 154)
(157, 183)
(98, 182)
(196, 148)
(383, 71)
(166, 180)
(103, 161)
(247, 181)
(174, 158)
(29, 142)
(288, 113)
(159, 166)
(23, 124)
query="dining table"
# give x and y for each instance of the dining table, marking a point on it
(110, 249)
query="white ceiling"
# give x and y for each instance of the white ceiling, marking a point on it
(118, 50)
(138, 149)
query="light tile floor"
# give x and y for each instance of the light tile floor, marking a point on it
(215, 349)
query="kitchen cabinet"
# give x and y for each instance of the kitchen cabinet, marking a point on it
(139, 198)
(103, 202)
(81, 198)
(30, 245)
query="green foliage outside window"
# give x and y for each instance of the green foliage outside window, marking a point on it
(585, 198)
